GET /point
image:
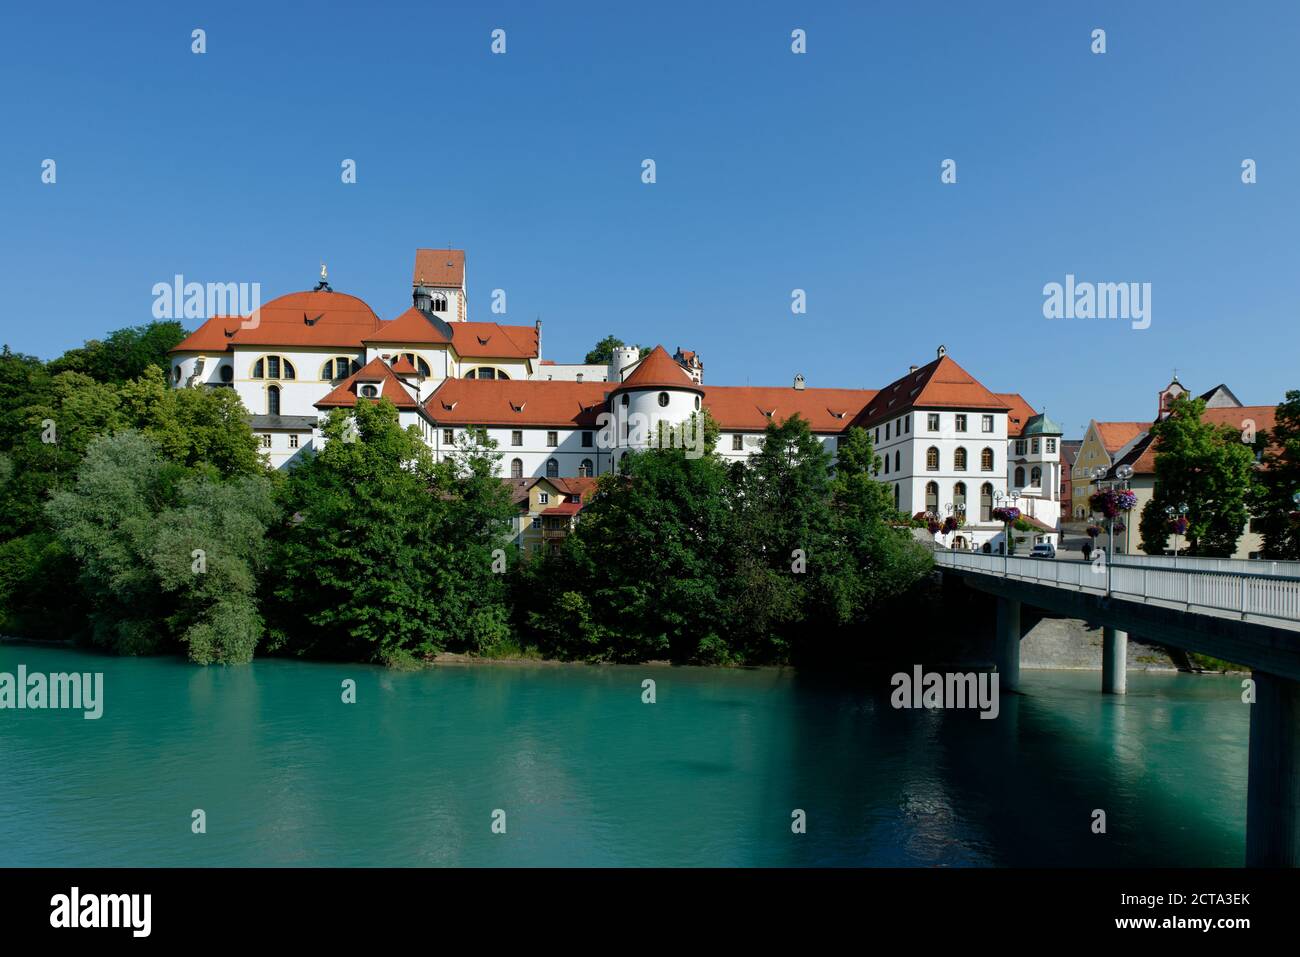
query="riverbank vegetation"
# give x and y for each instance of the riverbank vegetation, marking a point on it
(142, 519)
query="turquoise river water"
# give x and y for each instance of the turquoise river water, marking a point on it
(588, 774)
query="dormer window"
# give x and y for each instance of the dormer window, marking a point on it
(369, 391)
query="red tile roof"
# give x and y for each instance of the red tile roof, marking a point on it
(345, 396)
(1115, 435)
(658, 370)
(1019, 412)
(1142, 458)
(403, 367)
(940, 384)
(751, 408)
(439, 267)
(488, 340)
(319, 318)
(521, 402)
(581, 487)
(566, 508)
(412, 326)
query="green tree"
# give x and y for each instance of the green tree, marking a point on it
(126, 354)
(388, 555)
(1209, 468)
(1279, 480)
(169, 559)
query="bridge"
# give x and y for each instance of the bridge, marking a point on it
(1246, 612)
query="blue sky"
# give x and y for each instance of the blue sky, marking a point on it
(776, 171)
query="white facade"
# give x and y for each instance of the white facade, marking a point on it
(943, 459)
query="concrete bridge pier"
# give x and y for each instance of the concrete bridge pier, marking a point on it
(1007, 644)
(1273, 789)
(1114, 661)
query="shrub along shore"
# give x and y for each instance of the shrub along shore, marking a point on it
(142, 519)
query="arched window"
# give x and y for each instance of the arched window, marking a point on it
(959, 460)
(516, 468)
(897, 493)
(1020, 476)
(176, 373)
(886, 464)
(439, 302)
(1036, 476)
(986, 502)
(273, 367)
(484, 372)
(625, 398)
(932, 459)
(339, 368)
(958, 497)
(932, 497)
(986, 460)
(227, 372)
(897, 460)
(697, 403)
(552, 468)
(273, 400)
(585, 469)
(663, 398)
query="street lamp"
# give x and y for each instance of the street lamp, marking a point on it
(1123, 473)
(1174, 515)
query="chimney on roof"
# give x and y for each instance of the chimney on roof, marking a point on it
(941, 352)
(798, 381)
(912, 369)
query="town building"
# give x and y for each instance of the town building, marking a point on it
(1139, 456)
(948, 446)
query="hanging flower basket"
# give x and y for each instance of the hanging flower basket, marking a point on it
(1180, 525)
(1120, 526)
(1008, 514)
(934, 526)
(1094, 531)
(1112, 501)
(949, 524)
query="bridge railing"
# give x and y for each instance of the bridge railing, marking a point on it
(1244, 594)
(1239, 566)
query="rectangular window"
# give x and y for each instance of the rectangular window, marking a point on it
(586, 440)
(933, 421)
(737, 443)
(537, 522)
(887, 424)
(517, 437)
(543, 498)
(266, 440)
(273, 367)
(1035, 446)
(448, 437)
(1051, 446)
(1020, 446)
(961, 422)
(986, 423)
(877, 438)
(907, 425)
(293, 441)
(552, 439)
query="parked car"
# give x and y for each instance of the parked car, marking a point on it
(1043, 550)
